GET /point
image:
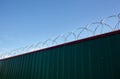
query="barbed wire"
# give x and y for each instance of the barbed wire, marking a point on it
(108, 24)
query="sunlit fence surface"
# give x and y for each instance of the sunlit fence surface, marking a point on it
(105, 25)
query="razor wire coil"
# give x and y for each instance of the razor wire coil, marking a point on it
(92, 29)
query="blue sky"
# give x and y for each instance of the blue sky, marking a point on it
(24, 22)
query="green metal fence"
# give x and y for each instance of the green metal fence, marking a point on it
(92, 58)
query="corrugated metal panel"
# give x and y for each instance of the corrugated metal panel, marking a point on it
(98, 58)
